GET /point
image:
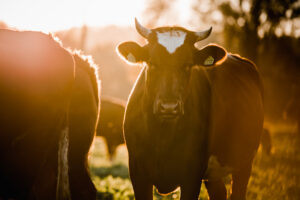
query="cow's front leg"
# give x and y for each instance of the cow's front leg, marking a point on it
(216, 189)
(142, 187)
(191, 190)
(240, 180)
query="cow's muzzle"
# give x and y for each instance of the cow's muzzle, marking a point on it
(168, 109)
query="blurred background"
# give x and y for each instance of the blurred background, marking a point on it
(265, 31)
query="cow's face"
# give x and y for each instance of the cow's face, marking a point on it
(169, 57)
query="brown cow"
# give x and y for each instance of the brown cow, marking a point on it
(192, 115)
(49, 111)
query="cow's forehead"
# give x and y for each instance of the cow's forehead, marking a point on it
(171, 39)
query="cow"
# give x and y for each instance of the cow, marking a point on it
(111, 123)
(49, 111)
(192, 115)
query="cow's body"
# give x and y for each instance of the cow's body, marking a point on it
(235, 108)
(215, 130)
(38, 85)
(111, 123)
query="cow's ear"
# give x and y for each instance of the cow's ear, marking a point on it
(210, 55)
(132, 52)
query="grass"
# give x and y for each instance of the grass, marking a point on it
(275, 177)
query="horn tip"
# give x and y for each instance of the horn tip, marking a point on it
(136, 22)
(142, 30)
(204, 34)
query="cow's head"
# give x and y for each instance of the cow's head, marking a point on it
(169, 57)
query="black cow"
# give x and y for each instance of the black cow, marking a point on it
(192, 115)
(49, 111)
(111, 123)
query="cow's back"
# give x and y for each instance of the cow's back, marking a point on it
(36, 76)
(35, 73)
(237, 110)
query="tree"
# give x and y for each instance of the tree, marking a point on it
(250, 21)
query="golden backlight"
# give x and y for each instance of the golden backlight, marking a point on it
(53, 15)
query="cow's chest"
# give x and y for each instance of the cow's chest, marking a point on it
(166, 168)
(168, 160)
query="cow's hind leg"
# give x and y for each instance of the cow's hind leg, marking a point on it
(240, 180)
(82, 127)
(216, 189)
(80, 182)
(45, 184)
(81, 185)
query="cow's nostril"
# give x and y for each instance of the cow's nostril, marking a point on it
(169, 107)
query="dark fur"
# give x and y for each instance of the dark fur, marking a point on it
(223, 116)
(84, 112)
(111, 123)
(41, 87)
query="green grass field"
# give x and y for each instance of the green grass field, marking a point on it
(275, 177)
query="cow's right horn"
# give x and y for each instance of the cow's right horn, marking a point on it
(202, 35)
(142, 30)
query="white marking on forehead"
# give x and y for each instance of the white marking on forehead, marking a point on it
(171, 40)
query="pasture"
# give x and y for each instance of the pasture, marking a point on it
(275, 177)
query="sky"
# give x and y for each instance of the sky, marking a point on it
(52, 15)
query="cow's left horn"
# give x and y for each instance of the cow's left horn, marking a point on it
(142, 30)
(202, 35)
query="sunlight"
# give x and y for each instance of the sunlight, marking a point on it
(201, 109)
(55, 15)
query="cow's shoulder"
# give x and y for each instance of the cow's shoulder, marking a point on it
(138, 89)
(238, 65)
(134, 104)
(239, 59)
(245, 69)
